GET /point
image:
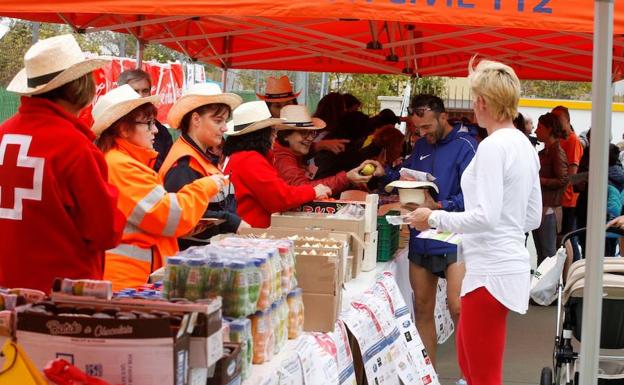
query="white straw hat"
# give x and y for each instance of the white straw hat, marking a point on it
(250, 117)
(51, 63)
(411, 191)
(116, 104)
(297, 117)
(197, 95)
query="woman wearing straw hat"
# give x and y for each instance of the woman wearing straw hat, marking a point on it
(124, 124)
(201, 115)
(258, 187)
(294, 140)
(58, 213)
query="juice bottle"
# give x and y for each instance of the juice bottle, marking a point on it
(261, 330)
(295, 314)
(194, 284)
(253, 280)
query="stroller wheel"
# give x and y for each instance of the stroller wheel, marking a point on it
(546, 377)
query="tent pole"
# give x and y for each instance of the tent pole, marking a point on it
(598, 168)
(139, 53)
(224, 73)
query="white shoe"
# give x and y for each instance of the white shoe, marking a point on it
(461, 381)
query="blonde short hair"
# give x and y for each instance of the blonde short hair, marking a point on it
(498, 84)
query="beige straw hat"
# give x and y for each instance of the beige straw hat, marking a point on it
(198, 95)
(51, 63)
(411, 191)
(116, 104)
(278, 90)
(250, 117)
(297, 117)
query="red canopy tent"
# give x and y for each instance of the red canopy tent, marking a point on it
(542, 39)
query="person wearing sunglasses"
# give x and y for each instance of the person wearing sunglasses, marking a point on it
(125, 129)
(141, 83)
(201, 115)
(444, 151)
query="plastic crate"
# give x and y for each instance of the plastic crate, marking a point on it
(388, 238)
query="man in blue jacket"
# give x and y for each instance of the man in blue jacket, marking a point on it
(444, 151)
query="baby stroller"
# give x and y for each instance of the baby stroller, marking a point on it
(569, 318)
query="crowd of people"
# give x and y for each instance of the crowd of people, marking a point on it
(115, 199)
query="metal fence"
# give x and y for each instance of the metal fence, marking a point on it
(8, 104)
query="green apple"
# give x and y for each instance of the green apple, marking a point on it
(367, 170)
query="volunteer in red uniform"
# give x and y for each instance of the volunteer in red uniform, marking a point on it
(258, 188)
(201, 115)
(294, 140)
(58, 213)
(124, 124)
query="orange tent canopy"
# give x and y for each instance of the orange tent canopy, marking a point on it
(541, 39)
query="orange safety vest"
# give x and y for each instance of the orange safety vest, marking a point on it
(198, 162)
(155, 218)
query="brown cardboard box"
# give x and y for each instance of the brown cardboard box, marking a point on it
(228, 368)
(321, 311)
(354, 227)
(355, 245)
(120, 351)
(318, 274)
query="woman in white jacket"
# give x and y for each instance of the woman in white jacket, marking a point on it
(503, 201)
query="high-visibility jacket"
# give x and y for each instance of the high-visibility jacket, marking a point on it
(155, 218)
(185, 163)
(182, 148)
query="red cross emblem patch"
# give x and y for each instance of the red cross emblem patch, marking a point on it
(21, 176)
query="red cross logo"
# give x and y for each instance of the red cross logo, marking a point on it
(21, 176)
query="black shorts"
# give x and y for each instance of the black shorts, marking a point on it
(436, 264)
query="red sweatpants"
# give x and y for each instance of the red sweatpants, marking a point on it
(481, 338)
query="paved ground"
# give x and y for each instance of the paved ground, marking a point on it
(530, 340)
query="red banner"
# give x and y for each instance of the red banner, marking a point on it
(167, 81)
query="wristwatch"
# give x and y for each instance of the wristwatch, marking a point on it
(432, 221)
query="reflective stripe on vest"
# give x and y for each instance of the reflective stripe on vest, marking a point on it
(134, 252)
(146, 205)
(173, 219)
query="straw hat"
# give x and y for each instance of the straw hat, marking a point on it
(116, 104)
(198, 95)
(250, 117)
(297, 117)
(278, 90)
(411, 191)
(51, 63)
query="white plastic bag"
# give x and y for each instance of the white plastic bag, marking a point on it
(546, 278)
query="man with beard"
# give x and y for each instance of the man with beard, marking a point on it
(444, 151)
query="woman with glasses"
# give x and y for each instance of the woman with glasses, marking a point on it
(125, 127)
(201, 115)
(294, 139)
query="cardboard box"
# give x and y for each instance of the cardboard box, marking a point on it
(370, 254)
(321, 311)
(126, 352)
(206, 339)
(204, 327)
(228, 368)
(355, 246)
(353, 227)
(370, 206)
